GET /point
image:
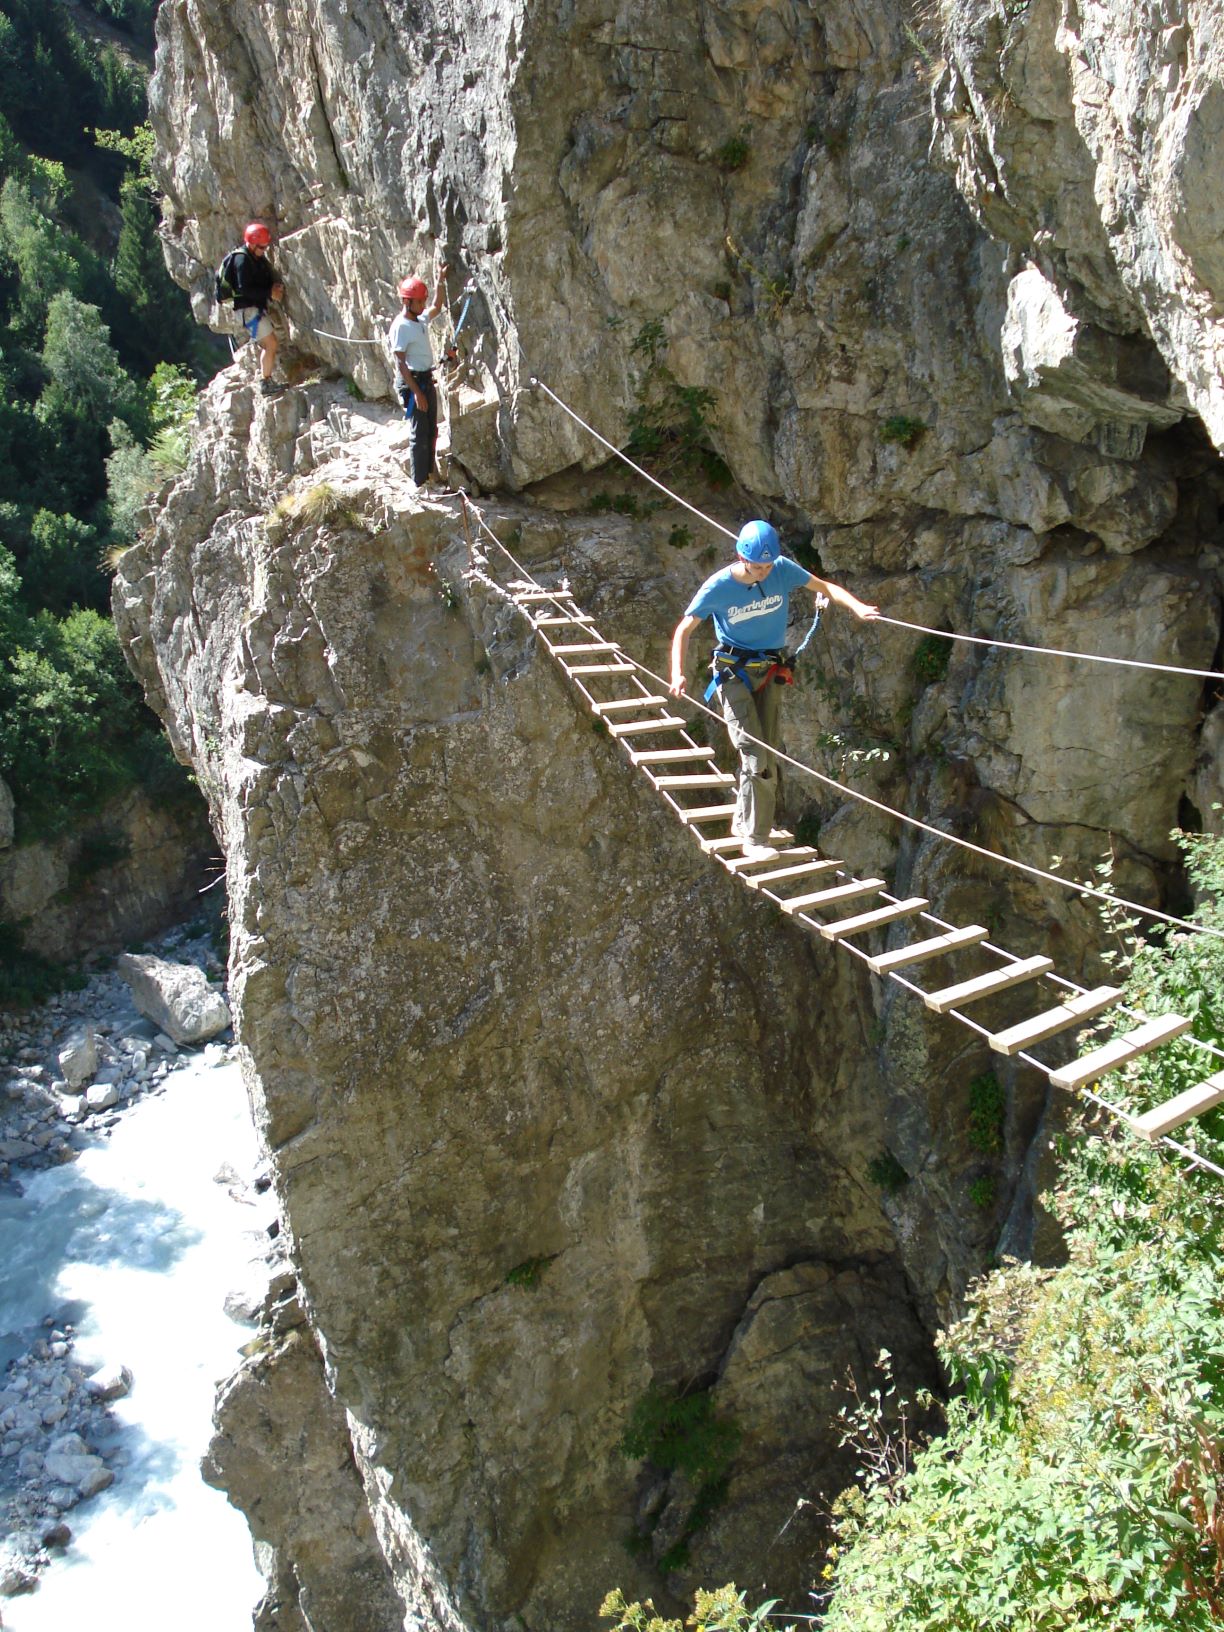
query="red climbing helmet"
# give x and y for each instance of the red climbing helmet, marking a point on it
(256, 236)
(413, 289)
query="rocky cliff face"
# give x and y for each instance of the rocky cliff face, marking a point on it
(554, 1114)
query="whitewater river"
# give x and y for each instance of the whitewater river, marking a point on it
(142, 1241)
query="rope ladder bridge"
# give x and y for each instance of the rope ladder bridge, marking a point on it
(816, 891)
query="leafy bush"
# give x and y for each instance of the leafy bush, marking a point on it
(1080, 1482)
(930, 661)
(669, 426)
(680, 1433)
(904, 431)
(987, 1111)
(886, 1173)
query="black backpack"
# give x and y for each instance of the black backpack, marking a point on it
(227, 284)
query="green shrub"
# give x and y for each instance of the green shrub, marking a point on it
(930, 661)
(886, 1173)
(902, 430)
(987, 1113)
(529, 1273)
(733, 154)
(680, 1433)
(984, 1192)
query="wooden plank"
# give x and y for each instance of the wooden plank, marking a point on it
(667, 756)
(598, 668)
(1071, 1013)
(527, 595)
(919, 951)
(995, 980)
(627, 702)
(841, 892)
(1162, 1119)
(579, 622)
(737, 864)
(1151, 1034)
(715, 847)
(709, 813)
(666, 722)
(576, 651)
(804, 869)
(873, 920)
(716, 779)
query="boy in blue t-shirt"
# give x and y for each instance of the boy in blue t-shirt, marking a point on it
(748, 602)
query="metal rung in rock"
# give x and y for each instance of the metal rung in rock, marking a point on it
(591, 646)
(667, 756)
(739, 864)
(919, 951)
(1145, 1037)
(627, 702)
(997, 980)
(599, 668)
(1162, 1119)
(1071, 1013)
(716, 779)
(841, 892)
(666, 722)
(873, 920)
(805, 869)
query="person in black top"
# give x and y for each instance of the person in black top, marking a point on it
(249, 280)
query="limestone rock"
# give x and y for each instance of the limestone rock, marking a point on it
(77, 1056)
(282, 1450)
(176, 997)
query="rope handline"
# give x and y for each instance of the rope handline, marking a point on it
(899, 815)
(1050, 651)
(477, 562)
(899, 623)
(348, 339)
(675, 497)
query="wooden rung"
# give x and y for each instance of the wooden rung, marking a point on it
(716, 779)
(599, 668)
(804, 869)
(590, 646)
(667, 756)
(627, 702)
(778, 837)
(709, 813)
(666, 722)
(995, 980)
(873, 920)
(919, 951)
(580, 622)
(527, 595)
(738, 864)
(1151, 1034)
(1164, 1118)
(1076, 1009)
(841, 892)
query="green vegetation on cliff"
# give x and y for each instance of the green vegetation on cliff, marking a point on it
(96, 344)
(1080, 1481)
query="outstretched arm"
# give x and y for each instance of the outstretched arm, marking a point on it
(679, 651)
(439, 299)
(842, 597)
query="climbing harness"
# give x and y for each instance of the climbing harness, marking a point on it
(754, 670)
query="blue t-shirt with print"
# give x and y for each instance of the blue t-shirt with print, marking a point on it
(749, 615)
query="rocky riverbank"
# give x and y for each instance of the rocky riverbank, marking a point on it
(69, 1072)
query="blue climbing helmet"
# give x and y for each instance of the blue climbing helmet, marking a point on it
(759, 542)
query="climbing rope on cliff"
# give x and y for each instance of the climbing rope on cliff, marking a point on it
(776, 875)
(899, 623)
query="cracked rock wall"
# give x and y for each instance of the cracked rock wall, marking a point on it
(955, 298)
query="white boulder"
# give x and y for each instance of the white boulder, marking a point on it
(176, 997)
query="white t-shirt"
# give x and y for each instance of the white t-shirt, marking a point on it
(411, 336)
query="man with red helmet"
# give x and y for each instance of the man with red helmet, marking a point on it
(414, 365)
(247, 278)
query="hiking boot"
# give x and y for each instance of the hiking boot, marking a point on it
(758, 852)
(269, 388)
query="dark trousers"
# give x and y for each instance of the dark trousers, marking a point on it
(423, 430)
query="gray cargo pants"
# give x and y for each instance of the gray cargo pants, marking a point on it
(759, 712)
